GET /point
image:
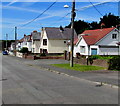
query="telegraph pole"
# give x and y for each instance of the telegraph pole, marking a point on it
(6, 41)
(72, 37)
(15, 39)
(118, 27)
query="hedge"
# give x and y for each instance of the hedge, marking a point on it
(114, 63)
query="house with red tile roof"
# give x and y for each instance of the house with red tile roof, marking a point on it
(26, 41)
(97, 42)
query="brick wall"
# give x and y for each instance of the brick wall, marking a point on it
(97, 62)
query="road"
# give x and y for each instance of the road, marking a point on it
(26, 84)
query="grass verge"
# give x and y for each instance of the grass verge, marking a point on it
(79, 67)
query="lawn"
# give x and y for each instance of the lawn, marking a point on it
(79, 67)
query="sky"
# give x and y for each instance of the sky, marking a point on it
(20, 13)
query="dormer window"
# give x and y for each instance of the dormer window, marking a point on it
(114, 36)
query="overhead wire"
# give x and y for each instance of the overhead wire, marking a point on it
(40, 14)
(61, 17)
(96, 8)
(78, 10)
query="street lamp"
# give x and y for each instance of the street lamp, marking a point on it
(66, 6)
(72, 27)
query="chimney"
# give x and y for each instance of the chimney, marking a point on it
(61, 29)
(102, 25)
(34, 31)
(24, 35)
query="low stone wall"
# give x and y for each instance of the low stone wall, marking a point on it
(97, 62)
(82, 61)
(30, 57)
(100, 62)
(41, 57)
(49, 57)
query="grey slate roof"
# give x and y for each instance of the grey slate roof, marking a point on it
(36, 35)
(56, 33)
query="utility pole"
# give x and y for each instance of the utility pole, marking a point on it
(118, 39)
(15, 39)
(6, 41)
(72, 37)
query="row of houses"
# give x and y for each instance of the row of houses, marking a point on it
(57, 40)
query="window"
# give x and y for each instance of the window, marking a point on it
(33, 50)
(64, 41)
(114, 36)
(44, 41)
(82, 49)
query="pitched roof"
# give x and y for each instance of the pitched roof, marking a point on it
(21, 40)
(28, 38)
(93, 36)
(57, 33)
(36, 35)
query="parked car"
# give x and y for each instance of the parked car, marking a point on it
(5, 53)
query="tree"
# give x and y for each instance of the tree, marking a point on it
(94, 25)
(106, 21)
(24, 50)
(79, 26)
(110, 20)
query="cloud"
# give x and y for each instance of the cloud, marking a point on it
(11, 3)
(37, 19)
(85, 7)
(21, 9)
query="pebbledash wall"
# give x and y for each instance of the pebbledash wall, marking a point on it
(57, 46)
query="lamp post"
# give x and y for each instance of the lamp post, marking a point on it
(72, 28)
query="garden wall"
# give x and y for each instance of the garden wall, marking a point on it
(18, 54)
(97, 62)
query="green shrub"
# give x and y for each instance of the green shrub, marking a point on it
(43, 54)
(101, 57)
(114, 63)
(24, 50)
(95, 57)
(90, 59)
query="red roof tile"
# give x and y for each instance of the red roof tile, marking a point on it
(93, 36)
(75, 40)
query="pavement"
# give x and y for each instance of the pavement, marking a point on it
(102, 76)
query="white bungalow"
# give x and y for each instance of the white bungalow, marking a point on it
(97, 42)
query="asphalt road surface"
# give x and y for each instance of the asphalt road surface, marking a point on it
(26, 84)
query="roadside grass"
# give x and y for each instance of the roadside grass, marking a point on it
(79, 67)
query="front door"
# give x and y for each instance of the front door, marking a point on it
(40, 50)
(93, 51)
